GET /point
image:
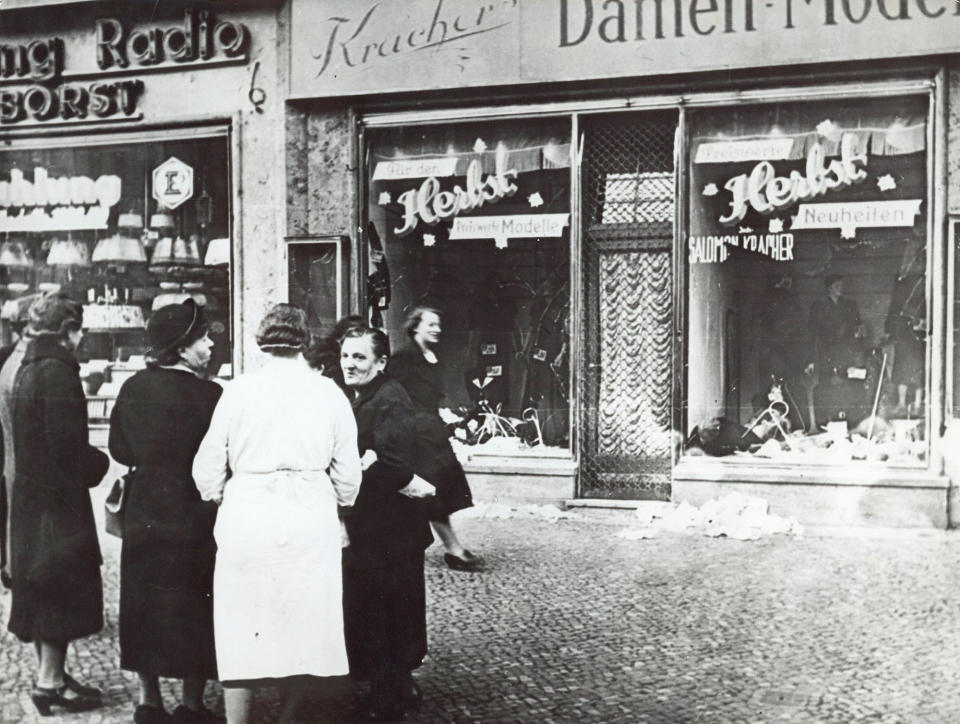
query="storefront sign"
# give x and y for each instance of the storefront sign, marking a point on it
(430, 205)
(502, 228)
(65, 203)
(347, 47)
(46, 63)
(199, 38)
(852, 215)
(766, 192)
(716, 249)
(415, 168)
(172, 183)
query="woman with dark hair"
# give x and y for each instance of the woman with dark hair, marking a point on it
(279, 456)
(418, 370)
(57, 590)
(323, 354)
(166, 563)
(384, 599)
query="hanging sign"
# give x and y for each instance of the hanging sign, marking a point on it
(852, 215)
(172, 183)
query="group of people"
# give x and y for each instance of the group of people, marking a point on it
(274, 527)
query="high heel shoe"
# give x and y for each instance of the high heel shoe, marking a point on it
(43, 699)
(77, 688)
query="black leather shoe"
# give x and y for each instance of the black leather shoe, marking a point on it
(44, 699)
(5, 580)
(467, 562)
(146, 714)
(77, 688)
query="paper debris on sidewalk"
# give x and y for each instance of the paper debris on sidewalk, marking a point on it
(735, 515)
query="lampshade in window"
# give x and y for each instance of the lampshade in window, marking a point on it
(12, 254)
(119, 249)
(68, 252)
(161, 221)
(176, 252)
(130, 220)
(218, 252)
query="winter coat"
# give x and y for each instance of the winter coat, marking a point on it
(385, 525)
(57, 590)
(435, 459)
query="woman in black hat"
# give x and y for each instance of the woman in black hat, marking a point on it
(166, 564)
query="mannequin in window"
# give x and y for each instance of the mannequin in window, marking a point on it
(837, 355)
(906, 330)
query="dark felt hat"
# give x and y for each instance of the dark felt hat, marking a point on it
(54, 312)
(284, 327)
(173, 324)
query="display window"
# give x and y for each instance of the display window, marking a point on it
(473, 220)
(125, 228)
(807, 267)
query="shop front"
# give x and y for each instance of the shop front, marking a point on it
(121, 170)
(657, 280)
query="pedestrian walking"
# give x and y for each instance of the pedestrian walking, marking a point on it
(57, 594)
(166, 562)
(418, 370)
(279, 456)
(384, 595)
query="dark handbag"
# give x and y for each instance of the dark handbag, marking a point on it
(114, 503)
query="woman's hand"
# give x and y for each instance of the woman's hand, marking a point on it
(367, 459)
(418, 488)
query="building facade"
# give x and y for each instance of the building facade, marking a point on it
(679, 247)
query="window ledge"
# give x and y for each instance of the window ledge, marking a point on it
(858, 474)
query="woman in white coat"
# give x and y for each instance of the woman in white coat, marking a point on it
(279, 456)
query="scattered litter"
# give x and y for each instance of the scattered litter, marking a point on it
(531, 511)
(735, 515)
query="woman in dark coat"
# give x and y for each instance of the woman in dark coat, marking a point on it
(57, 590)
(418, 370)
(166, 564)
(383, 589)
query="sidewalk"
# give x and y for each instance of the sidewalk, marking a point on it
(572, 623)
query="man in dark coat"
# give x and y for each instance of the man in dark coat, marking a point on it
(57, 590)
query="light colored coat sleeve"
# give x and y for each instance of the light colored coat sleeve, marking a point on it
(211, 465)
(345, 470)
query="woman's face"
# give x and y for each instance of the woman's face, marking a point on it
(427, 333)
(197, 355)
(358, 362)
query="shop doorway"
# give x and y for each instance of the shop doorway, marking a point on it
(628, 193)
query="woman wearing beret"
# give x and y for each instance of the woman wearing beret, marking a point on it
(280, 455)
(384, 597)
(166, 563)
(57, 590)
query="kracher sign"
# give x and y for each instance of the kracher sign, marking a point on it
(348, 47)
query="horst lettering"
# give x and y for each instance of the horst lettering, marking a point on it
(69, 101)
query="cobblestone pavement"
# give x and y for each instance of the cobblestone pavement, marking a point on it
(572, 623)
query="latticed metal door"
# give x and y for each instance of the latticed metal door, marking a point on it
(628, 215)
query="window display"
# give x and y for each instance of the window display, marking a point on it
(124, 228)
(473, 220)
(807, 282)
